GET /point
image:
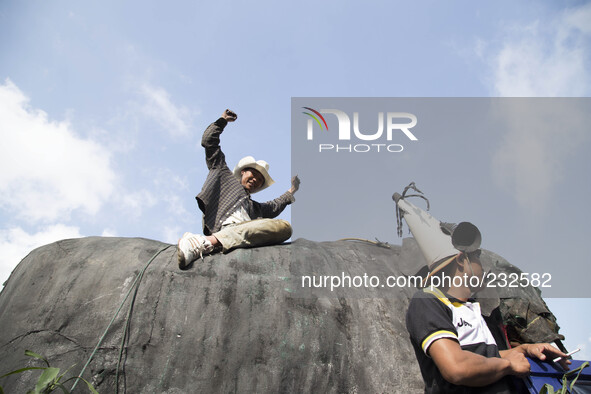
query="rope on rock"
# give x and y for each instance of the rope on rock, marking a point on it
(377, 242)
(135, 286)
(400, 213)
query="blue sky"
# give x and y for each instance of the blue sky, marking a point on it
(102, 105)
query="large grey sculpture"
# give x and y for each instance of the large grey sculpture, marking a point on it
(235, 323)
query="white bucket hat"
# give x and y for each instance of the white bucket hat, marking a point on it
(259, 165)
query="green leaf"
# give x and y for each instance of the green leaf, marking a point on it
(35, 355)
(547, 389)
(21, 370)
(565, 386)
(46, 379)
(578, 371)
(90, 386)
(65, 372)
(64, 390)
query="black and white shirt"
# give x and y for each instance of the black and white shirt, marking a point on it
(432, 316)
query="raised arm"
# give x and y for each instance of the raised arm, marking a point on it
(214, 156)
(273, 208)
(541, 351)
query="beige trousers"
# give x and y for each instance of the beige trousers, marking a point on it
(259, 232)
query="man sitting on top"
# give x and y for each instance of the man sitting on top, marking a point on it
(457, 349)
(231, 219)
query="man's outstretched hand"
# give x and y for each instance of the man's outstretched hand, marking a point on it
(295, 184)
(545, 351)
(229, 115)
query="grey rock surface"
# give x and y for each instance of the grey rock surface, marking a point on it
(239, 322)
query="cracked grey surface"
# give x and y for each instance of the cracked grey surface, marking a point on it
(231, 323)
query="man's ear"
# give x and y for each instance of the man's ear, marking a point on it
(462, 261)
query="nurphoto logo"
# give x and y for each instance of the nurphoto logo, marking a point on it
(396, 124)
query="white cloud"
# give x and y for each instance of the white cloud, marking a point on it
(175, 205)
(159, 106)
(109, 232)
(544, 59)
(166, 178)
(135, 202)
(172, 234)
(579, 18)
(176, 190)
(47, 170)
(534, 153)
(15, 244)
(529, 67)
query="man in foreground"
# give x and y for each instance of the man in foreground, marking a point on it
(456, 349)
(231, 219)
